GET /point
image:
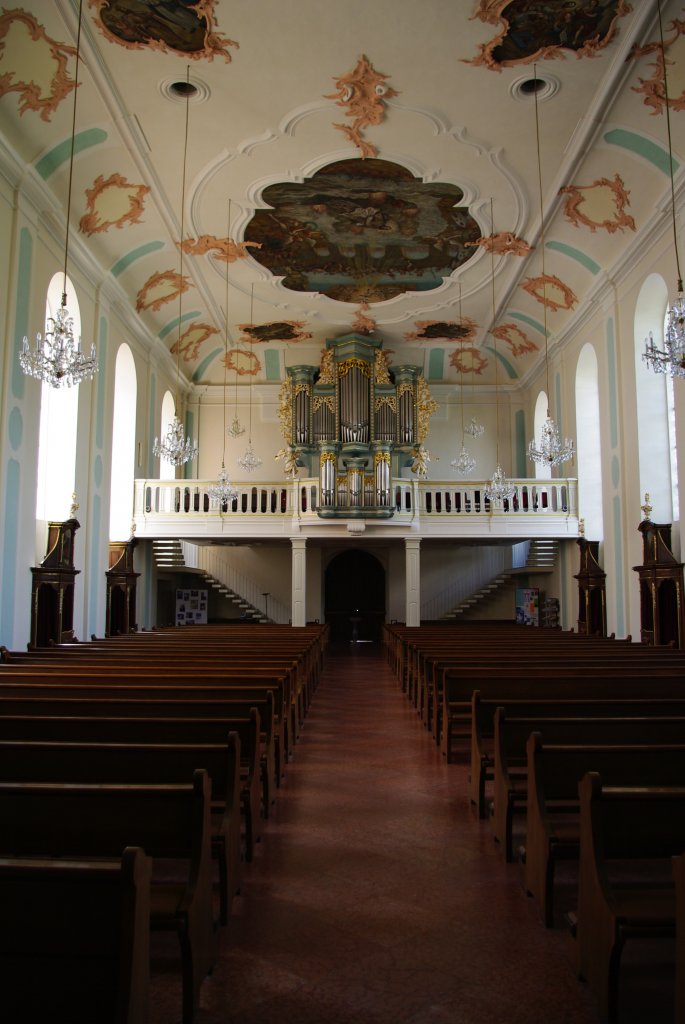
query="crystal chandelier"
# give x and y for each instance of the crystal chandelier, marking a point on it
(550, 450)
(670, 359)
(498, 489)
(250, 461)
(223, 490)
(464, 463)
(236, 428)
(57, 358)
(176, 447)
(474, 429)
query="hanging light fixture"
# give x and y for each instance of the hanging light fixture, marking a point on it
(670, 359)
(57, 358)
(499, 489)
(464, 462)
(223, 490)
(550, 450)
(250, 461)
(176, 448)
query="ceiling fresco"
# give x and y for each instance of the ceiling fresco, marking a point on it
(380, 181)
(363, 230)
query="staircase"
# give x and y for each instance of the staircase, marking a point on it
(169, 558)
(542, 557)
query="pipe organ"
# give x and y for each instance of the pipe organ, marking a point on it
(359, 419)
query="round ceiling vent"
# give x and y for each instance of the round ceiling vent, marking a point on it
(526, 87)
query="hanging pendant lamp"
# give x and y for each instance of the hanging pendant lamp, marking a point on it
(223, 490)
(250, 461)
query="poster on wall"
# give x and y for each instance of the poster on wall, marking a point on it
(191, 607)
(528, 606)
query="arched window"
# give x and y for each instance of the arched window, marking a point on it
(655, 418)
(166, 470)
(123, 445)
(589, 443)
(58, 424)
(541, 407)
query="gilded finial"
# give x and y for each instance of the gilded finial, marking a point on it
(74, 506)
(646, 508)
(581, 527)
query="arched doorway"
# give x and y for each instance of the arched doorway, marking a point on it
(355, 596)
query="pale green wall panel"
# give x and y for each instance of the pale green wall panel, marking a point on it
(10, 542)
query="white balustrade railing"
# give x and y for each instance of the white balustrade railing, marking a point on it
(164, 500)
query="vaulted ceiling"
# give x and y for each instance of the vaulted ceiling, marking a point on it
(359, 166)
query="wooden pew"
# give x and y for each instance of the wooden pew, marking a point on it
(552, 815)
(621, 723)
(63, 701)
(627, 840)
(678, 865)
(145, 764)
(611, 696)
(170, 823)
(75, 940)
(174, 731)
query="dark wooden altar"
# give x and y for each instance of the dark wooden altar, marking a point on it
(52, 588)
(592, 611)
(121, 588)
(662, 615)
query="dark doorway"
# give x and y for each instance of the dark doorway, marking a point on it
(355, 596)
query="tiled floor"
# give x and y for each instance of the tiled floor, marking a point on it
(376, 897)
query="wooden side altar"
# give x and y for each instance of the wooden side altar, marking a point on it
(121, 588)
(592, 612)
(662, 613)
(52, 588)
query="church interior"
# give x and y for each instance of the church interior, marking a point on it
(342, 322)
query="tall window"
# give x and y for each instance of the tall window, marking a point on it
(589, 440)
(655, 415)
(166, 470)
(541, 406)
(58, 425)
(123, 445)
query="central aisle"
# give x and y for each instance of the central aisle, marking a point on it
(375, 896)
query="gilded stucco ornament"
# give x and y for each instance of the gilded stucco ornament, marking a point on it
(550, 292)
(502, 244)
(518, 341)
(380, 367)
(327, 367)
(599, 205)
(285, 409)
(161, 288)
(364, 93)
(653, 88)
(223, 249)
(425, 407)
(468, 359)
(191, 341)
(108, 196)
(51, 56)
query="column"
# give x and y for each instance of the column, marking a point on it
(413, 580)
(299, 581)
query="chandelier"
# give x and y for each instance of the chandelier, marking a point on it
(176, 447)
(57, 358)
(464, 463)
(498, 489)
(474, 429)
(223, 490)
(670, 359)
(550, 450)
(250, 461)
